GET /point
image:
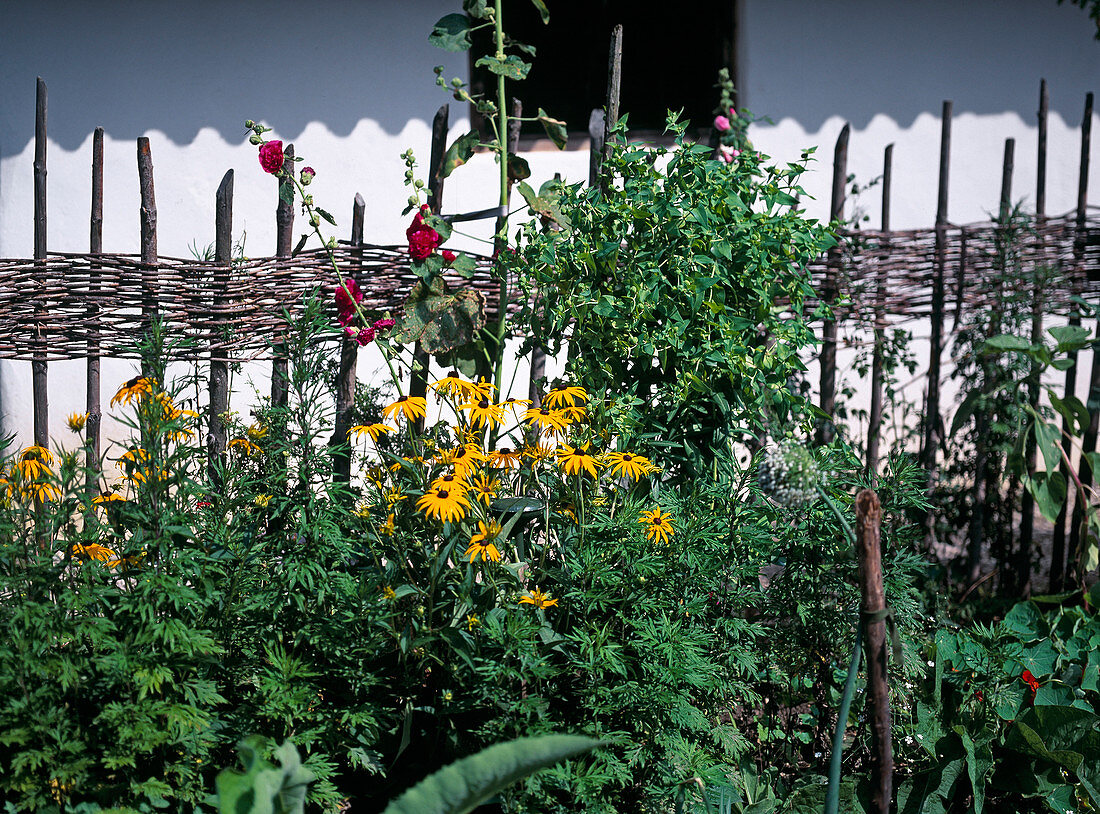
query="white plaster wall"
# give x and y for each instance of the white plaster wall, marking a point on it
(350, 83)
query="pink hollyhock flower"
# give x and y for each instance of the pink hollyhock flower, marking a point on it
(449, 256)
(271, 156)
(383, 324)
(365, 336)
(721, 124)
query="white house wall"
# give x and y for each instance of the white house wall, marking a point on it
(351, 85)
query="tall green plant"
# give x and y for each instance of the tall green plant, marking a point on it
(681, 284)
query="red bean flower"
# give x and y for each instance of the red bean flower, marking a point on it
(271, 156)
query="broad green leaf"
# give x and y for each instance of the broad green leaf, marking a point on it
(1070, 337)
(464, 265)
(555, 129)
(464, 785)
(1072, 410)
(511, 67)
(459, 152)
(442, 228)
(325, 215)
(451, 33)
(1026, 622)
(1006, 342)
(1048, 439)
(439, 319)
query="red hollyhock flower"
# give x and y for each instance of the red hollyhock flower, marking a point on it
(423, 239)
(365, 336)
(347, 300)
(383, 324)
(271, 156)
(423, 242)
(449, 256)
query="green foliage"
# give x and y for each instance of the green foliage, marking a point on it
(665, 284)
(1008, 717)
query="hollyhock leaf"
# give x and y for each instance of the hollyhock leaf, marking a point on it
(511, 67)
(325, 215)
(464, 265)
(544, 12)
(442, 228)
(286, 193)
(451, 33)
(555, 129)
(518, 168)
(440, 319)
(459, 152)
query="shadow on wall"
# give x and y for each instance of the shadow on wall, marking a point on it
(858, 58)
(134, 67)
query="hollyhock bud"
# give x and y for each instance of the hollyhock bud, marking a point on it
(365, 336)
(271, 156)
(449, 256)
(721, 123)
(254, 139)
(307, 175)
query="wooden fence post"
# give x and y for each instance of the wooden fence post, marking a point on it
(39, 375)
(874, 418)
(982, 415)
(92, 401)
(345, 380)
(872, 610)
(148, 232)
(284, 243)
(1061, 555)
(418, 376)
(1027, 502)
(932, 428)
(216, 436)
(827, 389)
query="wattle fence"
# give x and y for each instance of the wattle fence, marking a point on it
(89, 306)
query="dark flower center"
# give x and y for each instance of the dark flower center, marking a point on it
(504, 451)
(544, 411)
(443, 494)
(627, 458)
(403, 398)
(483, 404)
(460, 454)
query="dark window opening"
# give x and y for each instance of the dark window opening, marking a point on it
(672, 53)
